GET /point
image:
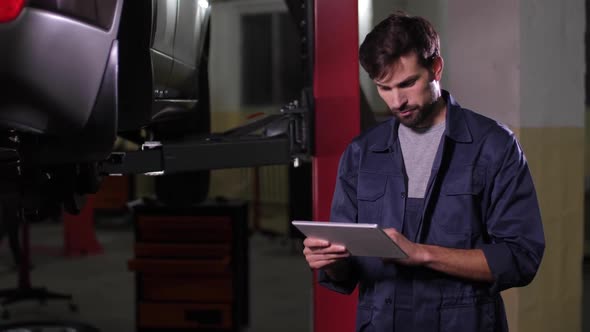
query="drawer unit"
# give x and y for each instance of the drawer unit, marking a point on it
(185, 315)
(184, 229)
(202, 290)
(167, 250)
(191, 267)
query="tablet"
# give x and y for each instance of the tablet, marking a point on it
(359, 239)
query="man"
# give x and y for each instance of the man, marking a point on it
(451, 187)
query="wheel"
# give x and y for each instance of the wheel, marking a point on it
(188, 188)
(73, 307)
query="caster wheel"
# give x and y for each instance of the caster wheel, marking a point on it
(73, 307)
(5, 314)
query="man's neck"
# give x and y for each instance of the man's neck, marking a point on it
(440, 112)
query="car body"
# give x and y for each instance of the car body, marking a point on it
(77, 73)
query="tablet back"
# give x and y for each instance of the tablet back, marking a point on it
(359, 239)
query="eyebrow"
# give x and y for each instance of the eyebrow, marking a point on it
(402, 83)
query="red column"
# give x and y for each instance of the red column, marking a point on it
(337, 121)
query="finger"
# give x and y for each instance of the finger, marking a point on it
(334, 249)
(318, 263)
(390, 231)
(316, 242)
(315, 258)
(393, 234)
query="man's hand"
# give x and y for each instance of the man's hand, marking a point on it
(416, 253)
(464, 263)
(321, 253)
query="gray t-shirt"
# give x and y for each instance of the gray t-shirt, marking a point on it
(419, 148)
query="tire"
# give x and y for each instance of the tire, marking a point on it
(190, 188)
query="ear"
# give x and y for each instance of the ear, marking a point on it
(437, 67)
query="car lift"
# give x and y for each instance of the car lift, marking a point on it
(274, 139)
(333, 109)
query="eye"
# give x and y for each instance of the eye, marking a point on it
(383, 88)
(408, 84)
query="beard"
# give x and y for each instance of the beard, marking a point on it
(422, 116)
(418, 117)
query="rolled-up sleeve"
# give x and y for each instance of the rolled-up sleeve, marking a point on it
(344, 209)
(513, 221)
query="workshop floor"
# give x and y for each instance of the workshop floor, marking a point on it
(103, 288)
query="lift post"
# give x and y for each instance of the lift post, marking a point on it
(337, 121)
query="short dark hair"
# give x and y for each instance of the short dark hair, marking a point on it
(396, 36)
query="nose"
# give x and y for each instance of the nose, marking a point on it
(398, 100)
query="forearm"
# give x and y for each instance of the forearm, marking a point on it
(468, 264)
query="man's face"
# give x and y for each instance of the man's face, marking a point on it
(411, 92)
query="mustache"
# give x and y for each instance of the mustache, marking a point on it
(405, 108)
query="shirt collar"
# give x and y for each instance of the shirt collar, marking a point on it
(456, 127)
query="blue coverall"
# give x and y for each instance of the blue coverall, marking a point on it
(480, 195)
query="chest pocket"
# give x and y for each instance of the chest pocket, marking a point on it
(457, 216)
(465, 180)
(370, 196)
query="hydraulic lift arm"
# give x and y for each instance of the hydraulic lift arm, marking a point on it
(275, 139)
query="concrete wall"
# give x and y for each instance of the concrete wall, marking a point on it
(552, 133)
(226, 46)
(484, 57)
(227, 110)
(552, 63)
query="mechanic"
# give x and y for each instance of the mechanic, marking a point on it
(451, 187)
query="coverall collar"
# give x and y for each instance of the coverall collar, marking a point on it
(456, 127)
